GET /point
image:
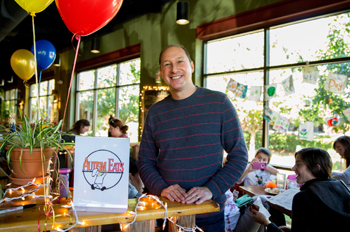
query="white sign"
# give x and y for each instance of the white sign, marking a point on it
(101, 174)
(306, 131)
(310, 75)
(336, 83)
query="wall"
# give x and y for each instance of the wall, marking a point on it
(153, 32)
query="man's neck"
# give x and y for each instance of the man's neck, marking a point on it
(179, 95)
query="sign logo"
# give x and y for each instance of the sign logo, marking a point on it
(103, 170)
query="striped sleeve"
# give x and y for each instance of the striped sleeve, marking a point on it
(147, 164)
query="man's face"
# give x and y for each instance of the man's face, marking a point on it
(176, 69)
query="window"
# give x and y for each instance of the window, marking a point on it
(110, 90)
(274, 57)
(10, 106)
(45, 101)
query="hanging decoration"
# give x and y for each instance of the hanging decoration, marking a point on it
(84, 17)
(45, 53)
(240, 90)
(281, 123)
(269, 115)
(270, 91)
(255, 93)
(332, 121)
(34, 6)
(336, 83)
(310, 75)
(288, 85)
(23, 64)
(346, 113)
(306, 131)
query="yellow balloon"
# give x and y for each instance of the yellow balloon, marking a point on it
(23, 64)
(34, 6)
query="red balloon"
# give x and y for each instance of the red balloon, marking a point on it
(83, 17)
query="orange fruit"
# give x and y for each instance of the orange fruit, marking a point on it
(270, 184)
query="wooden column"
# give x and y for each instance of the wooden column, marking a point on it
(142, 226)
(86, 229)
(185, 221)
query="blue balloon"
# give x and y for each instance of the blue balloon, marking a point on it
(45, 53)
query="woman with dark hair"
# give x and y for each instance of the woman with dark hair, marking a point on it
(323, 203)
(342, 147)
(79, 127)
(116, 128)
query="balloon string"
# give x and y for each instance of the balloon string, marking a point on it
(36, 71)
(71, 78)
(69, 89)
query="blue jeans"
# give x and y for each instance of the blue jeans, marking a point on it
(212, 223)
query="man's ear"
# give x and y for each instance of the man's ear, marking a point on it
(319, 167)
(192, 66)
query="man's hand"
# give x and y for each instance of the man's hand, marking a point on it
(197, 195)
(174, 193)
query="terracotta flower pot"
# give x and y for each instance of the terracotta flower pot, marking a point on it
(23, 181)
(33, 166)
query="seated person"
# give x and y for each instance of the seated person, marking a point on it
(78, 128)
(254, 177)
(135, 183)
(323, 203)
(342, 146)
(116, 128)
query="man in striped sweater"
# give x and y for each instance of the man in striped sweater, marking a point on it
(184, 135)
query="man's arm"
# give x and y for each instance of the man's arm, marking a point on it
(149, 172)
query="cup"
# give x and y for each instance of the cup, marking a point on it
(281, 181)
(63, 176)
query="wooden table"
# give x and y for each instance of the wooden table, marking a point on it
(260, 190)
(253, 190)
(27, 219)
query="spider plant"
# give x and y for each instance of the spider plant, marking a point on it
(40, 134)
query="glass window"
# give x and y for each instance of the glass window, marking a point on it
(9, 105)
(110, 90)
(320, 44)
(43, 106)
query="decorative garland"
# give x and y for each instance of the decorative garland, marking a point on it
(141, 206)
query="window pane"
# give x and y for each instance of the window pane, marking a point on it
(33, 90)
(129, 110)
(236, 53)
(130, 72)
(249, 111)
(309, 103)
(43, 88)
(105, 108)
(7, 95)
(86, 80)
(86, 104)
(310, 41)
(51, 86)
(106, 76)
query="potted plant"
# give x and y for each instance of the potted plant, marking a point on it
(30, 147)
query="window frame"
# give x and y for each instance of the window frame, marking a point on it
(267, 68)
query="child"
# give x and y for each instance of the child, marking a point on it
(254, 177)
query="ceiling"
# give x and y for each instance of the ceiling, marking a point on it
(16, 30)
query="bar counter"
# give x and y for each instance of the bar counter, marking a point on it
(27, 219)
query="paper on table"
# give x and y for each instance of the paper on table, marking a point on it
(284, 199)
(262, 208)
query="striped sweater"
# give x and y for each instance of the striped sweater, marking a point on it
(183, 141)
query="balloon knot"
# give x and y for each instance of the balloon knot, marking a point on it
(77, 37)
(32, 14)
